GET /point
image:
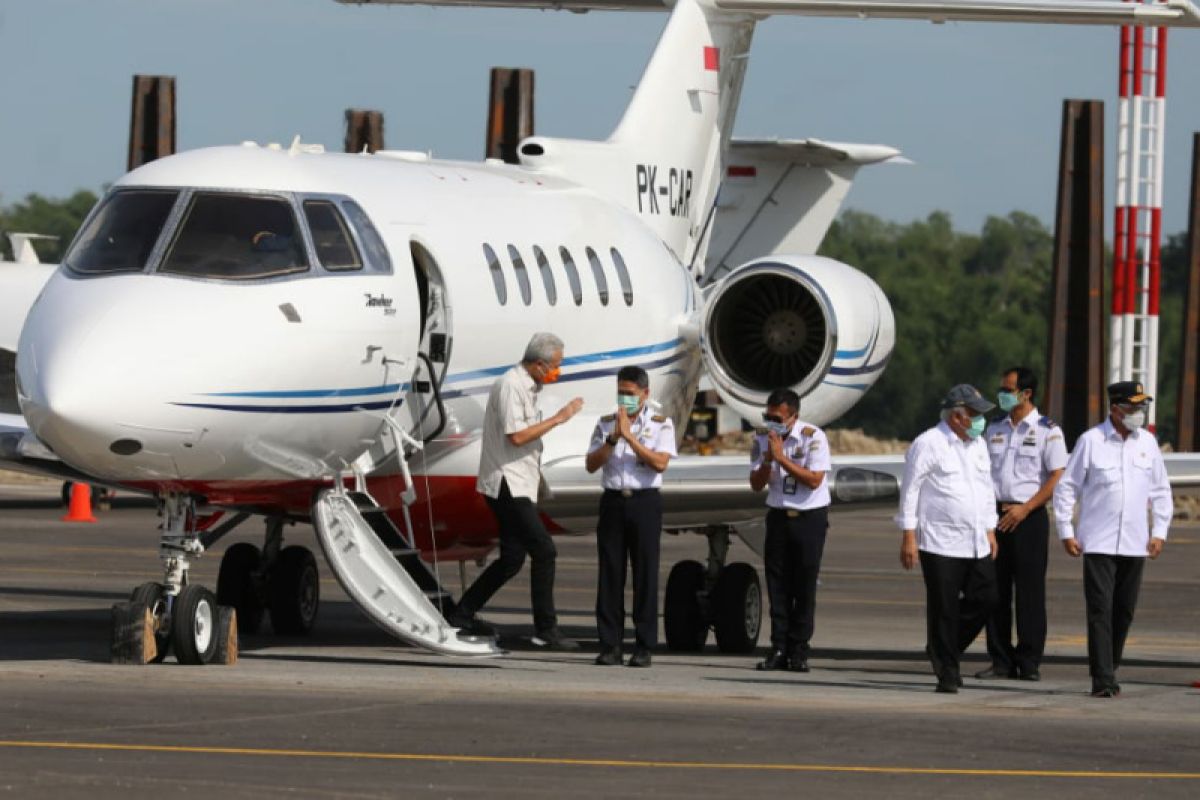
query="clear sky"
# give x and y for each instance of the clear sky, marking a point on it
(976, 106)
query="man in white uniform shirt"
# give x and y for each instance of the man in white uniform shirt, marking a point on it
(948, 516)
(633, 447)
(1028, 455)
(791, 458)
(509, 477)
(1116, 472)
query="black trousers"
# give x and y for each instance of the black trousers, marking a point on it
(959, 595)
(1021, 560)
(521, 533)
(628, 532)
(1110, 589)
(792, 560)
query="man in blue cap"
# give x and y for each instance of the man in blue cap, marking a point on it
(1116, 472)
(948, 516)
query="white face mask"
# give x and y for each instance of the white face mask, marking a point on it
(1135, 420)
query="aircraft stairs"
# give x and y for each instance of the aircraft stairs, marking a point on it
(384, 575)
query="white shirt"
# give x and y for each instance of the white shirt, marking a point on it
(512, 406)
(624, 470)
(1116, 481)
(946, 494)
(806, 446)
(1024, 455)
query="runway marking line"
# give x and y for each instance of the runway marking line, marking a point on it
(591, 762)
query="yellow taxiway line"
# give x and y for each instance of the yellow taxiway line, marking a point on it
(452, 758)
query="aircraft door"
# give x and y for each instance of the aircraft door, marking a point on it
(426, 409)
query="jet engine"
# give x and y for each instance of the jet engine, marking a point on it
(809, 323)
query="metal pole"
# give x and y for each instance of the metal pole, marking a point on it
(1189, 353)
(510, 112)
(364, 130)
(151, 119)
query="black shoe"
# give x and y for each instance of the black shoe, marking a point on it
(640, 658)
(609, 657)
(777, 660)
(994, 673)
(1031, 674)
(469, 624)
(1105, 691)
(554, 640)
(947, 687)
(798, 664)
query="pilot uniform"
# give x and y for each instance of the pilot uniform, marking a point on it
(1115, 481)
(1023, 456)
(797, 521)
(630, 527)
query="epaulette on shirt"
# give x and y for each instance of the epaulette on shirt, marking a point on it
(609, 418)
(659, 418)
(807, 430)
(760, 431)
(1046, 422)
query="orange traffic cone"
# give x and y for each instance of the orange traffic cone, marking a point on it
(81, 504)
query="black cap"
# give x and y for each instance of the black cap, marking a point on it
(967, 395)
(1128, 392)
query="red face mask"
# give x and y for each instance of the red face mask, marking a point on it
(551, 375)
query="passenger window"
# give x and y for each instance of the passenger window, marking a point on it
(622, 276)
(547, 275)
(598, 274)
(121, 236)
(335, 249)
(522, 276)
(378, 259)
(572, 275)
(497, 275)
(236, 237)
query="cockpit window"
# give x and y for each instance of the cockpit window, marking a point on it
(376, 250)
(335, 248)
(236, 237)
(121, 236)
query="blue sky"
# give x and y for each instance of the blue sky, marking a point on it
(977, 107)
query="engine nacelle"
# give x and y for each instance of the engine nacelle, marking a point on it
(810, 323)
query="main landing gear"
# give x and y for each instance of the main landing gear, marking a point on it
(720, 596)
(201, 627)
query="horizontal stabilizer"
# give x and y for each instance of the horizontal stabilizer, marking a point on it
(1172, 13)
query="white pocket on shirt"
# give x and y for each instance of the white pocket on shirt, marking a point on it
(1027, 466)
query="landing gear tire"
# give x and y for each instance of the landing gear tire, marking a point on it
(737, 605)
(194, 625)
(154, 597)
(294, 591)
(683, 618)
(236, 585)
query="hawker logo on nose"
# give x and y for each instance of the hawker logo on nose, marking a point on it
(380, 301)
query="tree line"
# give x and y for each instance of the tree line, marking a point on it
(966, 305)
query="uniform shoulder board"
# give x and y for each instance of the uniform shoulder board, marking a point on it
(1046, 422)
(807, 430)
(659, 418)
(760, 431)
(609, 418)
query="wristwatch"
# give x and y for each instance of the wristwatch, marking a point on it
(611, 440)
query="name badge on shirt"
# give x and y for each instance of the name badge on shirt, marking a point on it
(789, 485)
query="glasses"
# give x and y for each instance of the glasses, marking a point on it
(773, 418)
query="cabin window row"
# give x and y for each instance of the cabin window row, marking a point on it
(541, 262)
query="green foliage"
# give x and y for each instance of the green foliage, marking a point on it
(968, 307)
(37, 214)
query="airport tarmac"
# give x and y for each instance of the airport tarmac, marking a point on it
(350, 712)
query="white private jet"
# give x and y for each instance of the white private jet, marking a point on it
(285, 332)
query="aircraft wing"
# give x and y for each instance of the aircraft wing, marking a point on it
(20, 451)
(1172, 13)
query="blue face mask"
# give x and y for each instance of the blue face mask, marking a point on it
(975, 429)
(1007, 401)
(778, 428)
(630, 402)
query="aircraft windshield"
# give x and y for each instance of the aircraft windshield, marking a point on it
(236, 237)
(121, 235)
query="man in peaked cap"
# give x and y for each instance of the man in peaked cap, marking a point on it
(948, 516)
(1116, 473)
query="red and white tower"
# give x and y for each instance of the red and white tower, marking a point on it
(1137, 230)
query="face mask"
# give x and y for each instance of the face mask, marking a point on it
(778, 428)
(1135, 420)
(551, 375)
(1007, 401)
(975, 429)
(630, 402)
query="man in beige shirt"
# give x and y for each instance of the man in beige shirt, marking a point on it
(509, 476)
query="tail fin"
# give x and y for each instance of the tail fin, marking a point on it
(663, 161)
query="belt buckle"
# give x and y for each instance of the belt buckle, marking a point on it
(791, 512)
(627, 493)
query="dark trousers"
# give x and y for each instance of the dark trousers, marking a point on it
(792, 560)
(628, 531)
(959, 595)
(1110, 588)
(1021, 560)
(521, 532)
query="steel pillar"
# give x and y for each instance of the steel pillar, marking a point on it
(1189, 354)
(510, 112)
(364, 130)
(151, 119)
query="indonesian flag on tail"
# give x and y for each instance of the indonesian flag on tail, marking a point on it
(712, 58)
